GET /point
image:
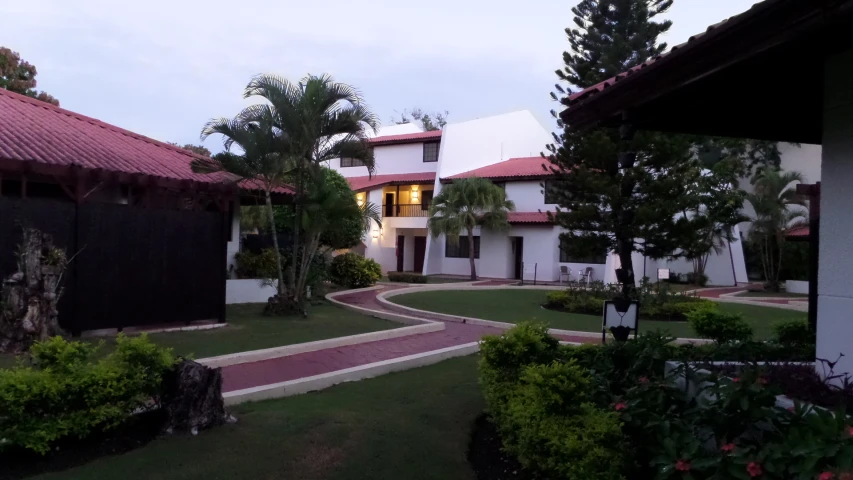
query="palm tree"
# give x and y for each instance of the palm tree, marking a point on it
(257, 161)
(774, 192)
(465, 204)
(314, 121)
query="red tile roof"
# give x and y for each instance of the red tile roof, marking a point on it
(528, 217)
(368, 183)
(406, 138)
(798, 232)
(515, 168)
(46, 139)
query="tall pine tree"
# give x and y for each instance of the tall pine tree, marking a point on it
(619, 191)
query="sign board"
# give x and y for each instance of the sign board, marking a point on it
(663, 274)
(620, 323)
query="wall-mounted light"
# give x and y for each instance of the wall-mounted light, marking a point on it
(375, 233)
(414, 195)
(359, 199)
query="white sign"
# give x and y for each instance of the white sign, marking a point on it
(663, 274)
(614, 318)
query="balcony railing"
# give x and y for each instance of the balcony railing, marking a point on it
(405, 210)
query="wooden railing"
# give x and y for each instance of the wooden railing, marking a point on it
(405, 210)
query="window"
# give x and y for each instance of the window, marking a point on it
(351, 162)
(565, 257)
(426, 199)
(460, 249)
(550, 194)
(431, 151)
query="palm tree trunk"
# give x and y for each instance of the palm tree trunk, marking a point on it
(291, 274)
(280, 286)
(471, 253)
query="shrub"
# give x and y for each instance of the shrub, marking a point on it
(68, 394)
(354, 271)
(794, 334)
(718, 326)
(256, 265)
(407, 277)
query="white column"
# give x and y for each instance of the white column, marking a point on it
(835, 282)
(234, 244)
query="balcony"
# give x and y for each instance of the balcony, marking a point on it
(405, 210)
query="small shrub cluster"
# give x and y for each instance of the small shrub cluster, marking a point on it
(407, 277)
(256, 265)
(354, 271)
(688, 278)
(794, 334)
(657, 301)
(718, 326)
(639, 424)
(66, 393)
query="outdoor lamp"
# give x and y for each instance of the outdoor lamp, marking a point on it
(375, 233)
(621, 317)
(414, 195)
(359, 200)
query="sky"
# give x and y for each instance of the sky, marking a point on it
(163, 68)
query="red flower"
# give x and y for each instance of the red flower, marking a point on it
(682, 466)
(826, 476)
(754, 469)
(644, 379)
(736, 379)
(850, 431)
(620, 406)
(727, 448)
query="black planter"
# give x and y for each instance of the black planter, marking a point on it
(620, 333)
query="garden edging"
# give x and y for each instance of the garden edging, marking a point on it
(382, 298)
(391, 316)
(326, 380)
(288, 350)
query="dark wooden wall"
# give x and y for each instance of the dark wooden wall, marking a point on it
(133, 266)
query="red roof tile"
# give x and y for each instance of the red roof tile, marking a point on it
(528, 217)
(368, 183)
(512, 168)
(418, 137)
(38, 134)
(798, 232)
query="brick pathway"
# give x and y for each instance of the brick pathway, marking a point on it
(265, 372)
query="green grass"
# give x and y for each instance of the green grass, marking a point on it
(248, 329)
(410, 425)
(515, 306)
(798, 296)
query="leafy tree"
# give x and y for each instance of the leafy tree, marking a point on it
(256, 160)
(312, 121)
(465, 204)
(428, 120)
(197, 149)
(19, 76)
(619, 191)
(774, 193)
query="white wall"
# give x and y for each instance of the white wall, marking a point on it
(835, 290)
(247, 291)
(390, 159)
(528, 196)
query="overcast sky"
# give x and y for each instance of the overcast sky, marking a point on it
(162, 68)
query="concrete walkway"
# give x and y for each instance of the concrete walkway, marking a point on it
(730, 295)
(293, 367)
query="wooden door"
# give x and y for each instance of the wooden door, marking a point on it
(420, 253)
(389, 205)
(401, 248)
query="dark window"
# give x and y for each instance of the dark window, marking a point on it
(550, 194)
(595, 259)
(351, 162)
(426, 199)
(431, 151)
(460, 249)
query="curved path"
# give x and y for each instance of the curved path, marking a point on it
(293, 367)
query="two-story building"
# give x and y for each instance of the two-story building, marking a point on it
(412, 166)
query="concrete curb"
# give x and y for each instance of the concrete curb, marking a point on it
(733, 298)
(391, 316)
(326, 380)
(382, 298)
(288, 350)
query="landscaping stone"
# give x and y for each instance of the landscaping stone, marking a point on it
(193, 398)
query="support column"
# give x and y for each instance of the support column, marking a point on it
(835, 286)
(813, 192)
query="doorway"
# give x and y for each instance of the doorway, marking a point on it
(389, 205)
(518, 252)
(401, 248)
(420, 253)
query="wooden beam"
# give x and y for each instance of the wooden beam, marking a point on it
(24, 186)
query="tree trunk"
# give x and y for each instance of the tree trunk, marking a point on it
(29, 298)
(471, 253)
(625, 274)
(295, 295)
(193, 397)
(279, 271)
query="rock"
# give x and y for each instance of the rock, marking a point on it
(193, 397)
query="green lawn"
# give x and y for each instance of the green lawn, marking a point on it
(514, 306)
(410, 425)
(248, 329)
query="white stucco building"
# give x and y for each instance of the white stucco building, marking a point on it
(411, 168)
